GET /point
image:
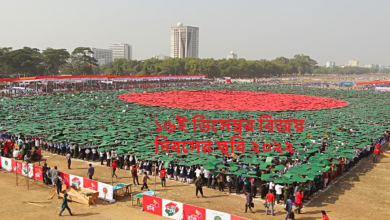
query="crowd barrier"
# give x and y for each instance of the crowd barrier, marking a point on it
(33, 171)
(179, 211)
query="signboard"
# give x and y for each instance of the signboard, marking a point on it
(172, 209)
(152, 204)
(193, 213)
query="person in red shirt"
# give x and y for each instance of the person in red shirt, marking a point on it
(270, 202)
(298, 202)
(135, 174)
(324, 216)
(163, 173)
(377, 151)
(114, 165)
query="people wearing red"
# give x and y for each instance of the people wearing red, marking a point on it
(163, 173)
(298, 202)
(324, 216)
(270, 202)
(377, 151)
(114, 165)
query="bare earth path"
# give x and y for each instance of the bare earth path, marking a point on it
(360, 194)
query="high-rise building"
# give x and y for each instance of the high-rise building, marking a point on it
(121, 51)
(232, 55)
(353, 63)
(330, 64)
(184, 41)
(103, 56)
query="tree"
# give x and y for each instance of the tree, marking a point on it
(26, 61)
(54, 59)
(83, 60)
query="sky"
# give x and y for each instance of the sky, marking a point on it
(331, 30)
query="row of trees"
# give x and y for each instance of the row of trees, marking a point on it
(32, 62)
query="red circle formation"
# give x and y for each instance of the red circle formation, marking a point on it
(232, 100)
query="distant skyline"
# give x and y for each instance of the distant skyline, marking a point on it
(255, 29)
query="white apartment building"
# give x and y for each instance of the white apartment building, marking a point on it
(103, 56)
(353, 63)
(232, 55)
(330, 64)
(121, 51)
(184, 41)
(161, 57)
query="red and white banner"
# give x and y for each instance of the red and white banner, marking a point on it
(76, 181)
(193, 213)
(152, 204)
(91, 184)
(27, 170)
(106, 192)
(172, 209)
(65, 179)
(16, 167)
(38, 175)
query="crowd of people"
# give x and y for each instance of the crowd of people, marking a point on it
(29, 148)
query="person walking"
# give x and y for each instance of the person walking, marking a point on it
(198, 185)
(249, 201)
(65, 205)
(91, 171)
(135, 175)
(145, 181)
(114, 165)
(68, 160)
(324, 216)
(279, 192)
(298, 202)
(288, 208)
(270, 202)
(163, 173)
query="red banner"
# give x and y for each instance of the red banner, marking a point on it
(65, 178)
(38, 175)
(193, 212)
(16, 167)
(233, 217)
(90, 184)
(152, 204)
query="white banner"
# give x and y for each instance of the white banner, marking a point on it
(27, 169)
(171, 209)
(106, 191)
(212, 215)
(76, 181)
(6, 163)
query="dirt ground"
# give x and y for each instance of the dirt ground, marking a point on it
(360, 194)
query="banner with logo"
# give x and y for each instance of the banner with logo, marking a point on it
(6, 164)
(233, 217)
(193, 213)
(27, 170)
(16, 167)
(65, 179)
(171, 209)
(106, 192)
(76, 181)
(90, 184)
(152, 204)
(38, 175)
(213, 215)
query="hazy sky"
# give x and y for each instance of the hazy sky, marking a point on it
(336, 30)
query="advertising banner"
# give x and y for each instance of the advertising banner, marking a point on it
(38, 173)
(193, 213)
(212, 215)
(152, 204)
(172, 209)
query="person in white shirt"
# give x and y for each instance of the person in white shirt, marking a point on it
(16, 153)
(108, 159)
(271, 186)
(198, 172)
(278, 189)
(101, 157)
(93, 154)
(87, 151)
(207, 175)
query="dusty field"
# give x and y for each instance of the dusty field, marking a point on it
(360, 194)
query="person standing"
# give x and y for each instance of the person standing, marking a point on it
(135, 175)
(53, 175)
(279, 190)
(270, 202)
(145, 181)
(44, 174)
(59, 185)
(377, 151)
(163, 173)
(288, 208)
(298, 202)
(249, 200)
(324, 216)
(68, 160)
(108, 158)
(91, 171)
(198, 185)
(220, 181)
(114, 165)
(253, 187)
(65, 205)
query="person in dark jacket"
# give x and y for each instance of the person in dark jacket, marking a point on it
(65, 205)
(249, 200)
